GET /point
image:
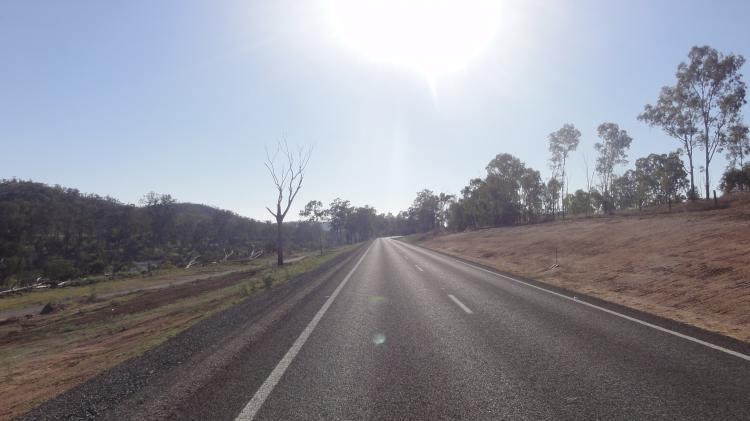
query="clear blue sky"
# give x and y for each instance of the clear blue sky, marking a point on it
(180, 97)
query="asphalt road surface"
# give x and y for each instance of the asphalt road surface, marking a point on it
(399, 332)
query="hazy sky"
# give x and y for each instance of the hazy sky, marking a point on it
(180, 97)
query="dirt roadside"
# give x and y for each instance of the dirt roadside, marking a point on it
(691, 267)
(7, 314)
(43, 356)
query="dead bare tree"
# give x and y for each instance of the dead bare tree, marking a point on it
(192, 262)
(254, 254)
(287, 178)
(227, 255)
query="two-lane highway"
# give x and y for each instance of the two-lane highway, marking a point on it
(412, 334)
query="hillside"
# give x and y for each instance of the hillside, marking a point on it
(60, 233)
(693, 267)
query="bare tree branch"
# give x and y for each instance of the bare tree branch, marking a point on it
(287, 178)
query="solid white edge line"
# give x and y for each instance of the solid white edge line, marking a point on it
(420, 269)
(252, 407)
(460, 304)
(606, 310)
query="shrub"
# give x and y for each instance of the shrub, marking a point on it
(268, 280)
(59, 269)
(735, 179)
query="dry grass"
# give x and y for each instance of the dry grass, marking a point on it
(43, 356)
(114, 286)
(693, 267)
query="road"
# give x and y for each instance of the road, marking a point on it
(414, 334)
(400, 332)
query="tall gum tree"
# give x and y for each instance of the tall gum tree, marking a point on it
(315, 214)
(612, 152)
(738, 145)
(672, 114)
(561, 143)
(711, 92)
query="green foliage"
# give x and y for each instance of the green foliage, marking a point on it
(579, 203)
(703, 108)
(738, 145)
(677, 119)
(511, 193)
(735, 179)
(268, 279)
(313, 211)
(425, 210)
(712, 83)
(350, 224)
(657, 179)
(60, 269)
(561, 143)
(247, 288)
(612, 152)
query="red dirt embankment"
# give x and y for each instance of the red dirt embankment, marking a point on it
(693, 267)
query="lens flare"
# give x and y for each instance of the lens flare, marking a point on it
(378, 339)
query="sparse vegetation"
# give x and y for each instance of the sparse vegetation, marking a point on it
(90, 336)
(268, 280)
(690, 267)
(702, 111)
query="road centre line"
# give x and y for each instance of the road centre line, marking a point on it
(420, 269)
(460, 304)
(251, 409)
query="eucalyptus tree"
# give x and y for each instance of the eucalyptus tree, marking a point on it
(612, 152)
(474, 201)
(579, 202)
(677, 119)
(736, 179)
(361, 223)
(161, 207)
(504, 176)
(672, 176)
(338, 213)
(703, 105)
(551, 192)
(738, 145)
(661, 177)
(627, 191)
(425, 210)
(314, 213)
(532, 191)
(561, 143)
(444, 202)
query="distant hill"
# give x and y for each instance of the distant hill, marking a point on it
(61, 233)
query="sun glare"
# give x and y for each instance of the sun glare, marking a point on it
(432, 37)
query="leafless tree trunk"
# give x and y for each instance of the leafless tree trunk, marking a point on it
(287, 178)
(589, 182)
(254, 254)
(192, 262)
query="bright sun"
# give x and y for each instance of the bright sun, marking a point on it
(432, 37)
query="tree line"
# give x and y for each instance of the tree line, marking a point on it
(61, 233)
(701, 111)
(344, 223)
